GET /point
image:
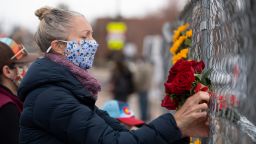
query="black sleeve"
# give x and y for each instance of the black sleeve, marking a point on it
(70, 121)
(115, 124)
(9, 124)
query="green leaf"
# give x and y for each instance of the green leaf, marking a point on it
(173, 96)
(198, 77)
(207, 81)
(206, 73)
(194, 84)
(205, 77)
(188, 42)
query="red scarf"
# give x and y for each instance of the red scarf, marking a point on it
(88, 81)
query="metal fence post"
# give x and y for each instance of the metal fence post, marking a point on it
(204, 28)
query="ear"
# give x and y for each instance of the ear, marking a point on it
(8, 72)
(57, 47)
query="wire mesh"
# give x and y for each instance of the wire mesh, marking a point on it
(224, 37)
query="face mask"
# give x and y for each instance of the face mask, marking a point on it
(21, 72)
(81, 54)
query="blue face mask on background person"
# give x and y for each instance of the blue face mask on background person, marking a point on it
(80, 53)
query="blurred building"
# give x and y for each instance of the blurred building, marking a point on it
(137, 29)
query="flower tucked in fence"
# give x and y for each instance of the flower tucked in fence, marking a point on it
(182, 40)
(185, 79)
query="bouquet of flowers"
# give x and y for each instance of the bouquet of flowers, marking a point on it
(185, 79)
(182, 41)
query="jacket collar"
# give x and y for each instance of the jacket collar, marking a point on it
(44, 72)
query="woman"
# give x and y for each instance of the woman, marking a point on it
(60, 94)
(13, 65)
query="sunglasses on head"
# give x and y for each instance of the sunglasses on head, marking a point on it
(19, 52)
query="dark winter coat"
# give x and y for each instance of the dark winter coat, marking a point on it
(58, 110)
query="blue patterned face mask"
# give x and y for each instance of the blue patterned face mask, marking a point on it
(80, 53)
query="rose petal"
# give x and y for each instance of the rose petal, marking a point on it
(169, 103)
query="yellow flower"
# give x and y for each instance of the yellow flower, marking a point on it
(183, 27)
(177, 44)
(197, 141)
(182, 38)
(175, 35)
(189, 33)
(178, 40)
(175, 58)
(182, 54)
(178, 31)
(173, 49)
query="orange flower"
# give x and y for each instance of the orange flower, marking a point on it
(178, 31)
(189, 33)
(175, 35)
(178, 40)
(182, 54)
(183, 27)
(177, 44)
(175, 58)
(175, 47)
(197, 141)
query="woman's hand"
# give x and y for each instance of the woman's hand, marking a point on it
(192, 118)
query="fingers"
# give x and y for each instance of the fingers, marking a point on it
(200, 111)
(200, 107)
(207, 123)
(201, 96)
(200, 115)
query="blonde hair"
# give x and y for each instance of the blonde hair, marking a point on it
(55, 24)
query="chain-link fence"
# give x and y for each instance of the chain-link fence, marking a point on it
(224, 37)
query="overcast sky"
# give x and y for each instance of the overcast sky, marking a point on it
(21, 12)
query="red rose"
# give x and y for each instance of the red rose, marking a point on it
(182, 83)
(180, 66)
(169, 103)
(167, 88)
(198, 66)
(200, 87)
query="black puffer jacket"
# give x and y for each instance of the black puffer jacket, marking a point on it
(58, 110)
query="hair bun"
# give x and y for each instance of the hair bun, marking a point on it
(40, 13)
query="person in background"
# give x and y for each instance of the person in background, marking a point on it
(122, 112)
(143, 77)
(13, 63)
(121, 81)
(59, 94)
